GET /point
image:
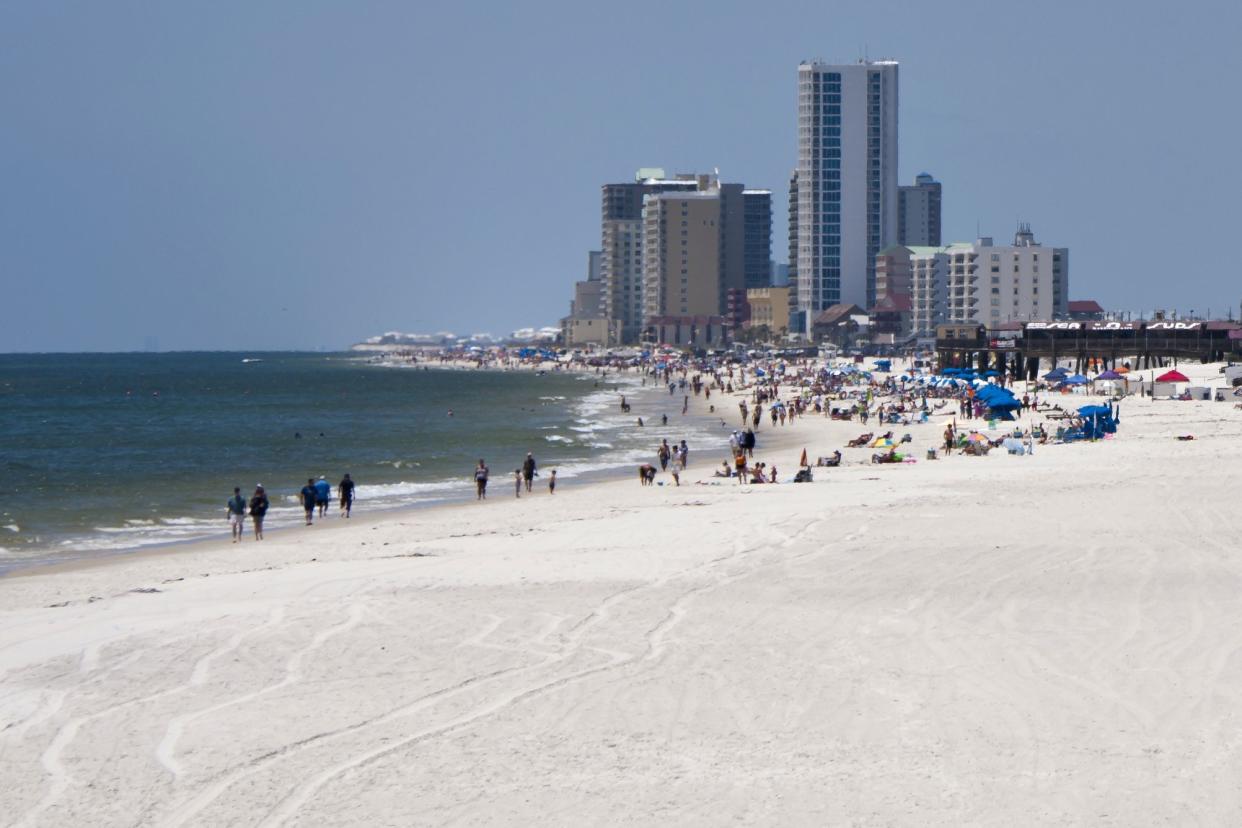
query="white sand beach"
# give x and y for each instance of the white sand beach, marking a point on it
(1043, 639)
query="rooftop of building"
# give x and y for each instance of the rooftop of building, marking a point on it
(1083, 306)
(821, 63)
(837, 313)
(899, 303)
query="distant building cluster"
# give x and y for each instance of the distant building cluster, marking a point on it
(686, 259)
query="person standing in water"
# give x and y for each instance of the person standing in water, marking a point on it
(345, 489)
(258, 510)
(237, 513)
(480, 480)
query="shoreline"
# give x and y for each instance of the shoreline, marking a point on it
(100, 557)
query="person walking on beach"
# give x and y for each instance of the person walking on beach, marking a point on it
(528, 469)
(552, 482)
(258, 509)
(345, 489)
(323, 494)
(683, 452)
(237, 513)
(480, 480)
(308, 500)
(948, 439)
(664, 453)
(517, 482)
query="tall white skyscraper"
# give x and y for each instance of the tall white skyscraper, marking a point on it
(847, 180)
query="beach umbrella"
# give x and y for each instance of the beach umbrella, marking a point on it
(1076, 379)
(1109, 375)
(991, 373)
(1173, 376)
(802, 460)
(1055, 374)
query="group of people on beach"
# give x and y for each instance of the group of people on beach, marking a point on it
(315, 495)
(523, 477)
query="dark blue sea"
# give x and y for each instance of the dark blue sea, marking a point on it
(101, 453)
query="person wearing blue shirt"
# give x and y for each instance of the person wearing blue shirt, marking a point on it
(323, 494)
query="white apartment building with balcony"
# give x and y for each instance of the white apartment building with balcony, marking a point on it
(987, 283)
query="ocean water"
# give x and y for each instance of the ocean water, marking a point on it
(101, 453)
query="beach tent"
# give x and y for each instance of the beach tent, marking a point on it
(883, 442)
(1056, 374)
(1098, 420)
(1173, 376)
(1076, 379)
(1109, 375)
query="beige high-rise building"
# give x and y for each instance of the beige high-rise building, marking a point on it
(681, 255)
(623, 262)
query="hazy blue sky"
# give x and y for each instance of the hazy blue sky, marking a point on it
(302, 174)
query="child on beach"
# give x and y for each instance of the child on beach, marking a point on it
(552, 482)
(517, 482)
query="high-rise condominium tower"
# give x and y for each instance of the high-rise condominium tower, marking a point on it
(918, 212)
(847, 180)
(621, 262)
(757, 252)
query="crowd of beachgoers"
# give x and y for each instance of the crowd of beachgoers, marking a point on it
(907, 409)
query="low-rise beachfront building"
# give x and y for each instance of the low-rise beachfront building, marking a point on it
(598, 331)
(769, 306)
(688, 331)
(587, 324)
(891, 320)
(839, 324)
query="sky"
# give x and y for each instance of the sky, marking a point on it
(300, 175)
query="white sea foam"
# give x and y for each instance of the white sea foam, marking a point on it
(12, 527)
